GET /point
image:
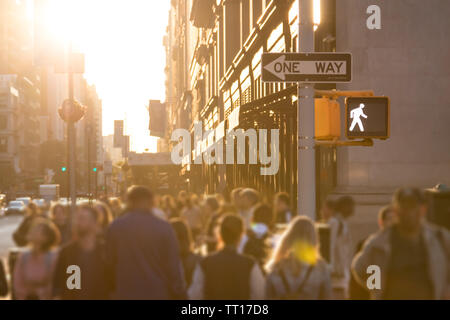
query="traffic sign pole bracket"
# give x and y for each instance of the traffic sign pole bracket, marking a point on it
(346, 143)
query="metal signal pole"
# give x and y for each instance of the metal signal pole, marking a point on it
(306, 168)
(71, 139)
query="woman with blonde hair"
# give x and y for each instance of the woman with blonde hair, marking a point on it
(296, 271)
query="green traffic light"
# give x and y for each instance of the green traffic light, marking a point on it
(95, 169)
(63, 169)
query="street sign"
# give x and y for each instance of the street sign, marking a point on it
(367, 117)
(307, 67)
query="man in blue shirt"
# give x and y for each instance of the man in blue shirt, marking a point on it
(142, 253)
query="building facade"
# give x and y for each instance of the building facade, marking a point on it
(214, 76)
(214, 51)
(21, 96)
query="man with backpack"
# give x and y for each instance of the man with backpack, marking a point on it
(226, 274)
(412, 256)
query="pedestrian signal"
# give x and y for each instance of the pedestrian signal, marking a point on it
(367, 117)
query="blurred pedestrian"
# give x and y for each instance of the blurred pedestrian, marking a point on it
(226, 274)
(283, 211)
(212, 229)
(328, 210)
(60, 217)
(20, 235)
(211, 212)
(235, 198)
(193, 216)
(33, 272)
(341, 246)
(249, 198)
(413, 257)
(87, 252)
(3, 280)
(187, 256)
(385, 220)
(296, 270)
(168, 205)
(256, 242)
(116, 207)
(106, 217)
(143, 254)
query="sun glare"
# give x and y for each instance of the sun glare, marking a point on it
(125, 58)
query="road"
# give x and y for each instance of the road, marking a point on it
(7, 226)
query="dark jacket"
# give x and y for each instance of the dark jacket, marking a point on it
(95, 281)
(227, 275)
(3, 281)
(143, 258)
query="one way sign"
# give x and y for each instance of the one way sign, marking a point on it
(307, 67)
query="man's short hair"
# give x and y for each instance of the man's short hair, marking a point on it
(408, 198)
(138, 194)
(345, 206)
(263, 214)
(383, 213)
(251, 194)
(283, 197)
(231, 229)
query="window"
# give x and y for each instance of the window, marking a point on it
(3, 144)
(3, 123)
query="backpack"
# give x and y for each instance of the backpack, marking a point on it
(293, 294)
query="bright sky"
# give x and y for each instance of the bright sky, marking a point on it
(125, 57)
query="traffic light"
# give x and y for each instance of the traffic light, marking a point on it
(327, 119)
(95, 169)
(367, 117)
(64, 169)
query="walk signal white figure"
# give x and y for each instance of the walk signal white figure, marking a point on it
(356, 115)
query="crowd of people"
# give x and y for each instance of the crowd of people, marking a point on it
(224, 247)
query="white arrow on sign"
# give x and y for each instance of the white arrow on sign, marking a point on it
(281, 68)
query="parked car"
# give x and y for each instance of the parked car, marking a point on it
(15, 207)
(25, 200)
(40, 203)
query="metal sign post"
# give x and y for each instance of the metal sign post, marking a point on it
(306, 168)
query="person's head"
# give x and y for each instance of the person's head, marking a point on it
(106, 216)
(168, 202)
(33, 209)
(59, 214)
(263, 214)
(282, 202)
(362, 105)
(249, 198)
(88, 220)
(210, 205)
(231, 230)
(410, 208)
(182, 197)
(43, 235)
(386, 217)
(183, 235)
(328, 209)
(235, 198)
(139, 198)
(345, 206)
(299, 241)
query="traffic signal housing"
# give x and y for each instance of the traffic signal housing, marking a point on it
(327, 119)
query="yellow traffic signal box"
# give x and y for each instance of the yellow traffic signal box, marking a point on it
(328, 119)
